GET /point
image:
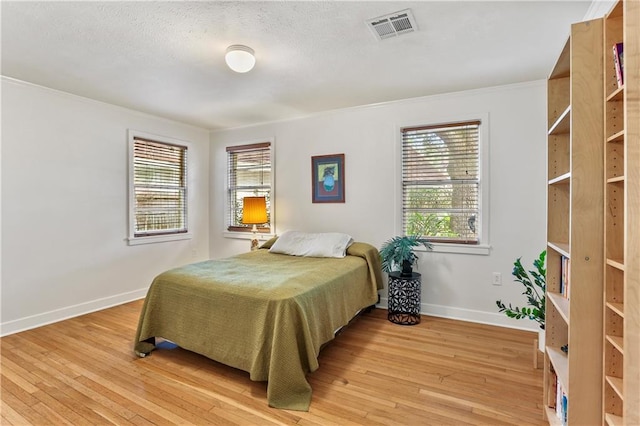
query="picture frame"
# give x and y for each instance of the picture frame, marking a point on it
(327, 178)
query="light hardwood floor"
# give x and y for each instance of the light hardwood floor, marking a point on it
(83, 371)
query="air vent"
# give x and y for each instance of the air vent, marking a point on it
(393, 24)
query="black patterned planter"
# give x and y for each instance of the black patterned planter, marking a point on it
(404, 299)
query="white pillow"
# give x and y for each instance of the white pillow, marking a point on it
(328, 244)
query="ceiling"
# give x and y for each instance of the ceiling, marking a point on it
(167, 58)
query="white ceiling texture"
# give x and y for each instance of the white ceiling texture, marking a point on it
(167, 58)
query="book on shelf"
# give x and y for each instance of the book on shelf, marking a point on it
(558, 406)
(618, 62)
(565, 276)
(561, 403)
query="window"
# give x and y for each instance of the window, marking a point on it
(158, 188)
(248, 175)
(441, 182)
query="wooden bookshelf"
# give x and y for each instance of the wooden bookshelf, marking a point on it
(621, 336)
(614, 146)
(575, 227)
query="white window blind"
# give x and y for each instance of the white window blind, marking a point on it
(440, 182)
(248, 175)
(160, 188)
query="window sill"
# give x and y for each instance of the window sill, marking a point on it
(134, 241)
(248, 235)
(480, 249)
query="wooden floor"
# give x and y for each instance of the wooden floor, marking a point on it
(83, 371)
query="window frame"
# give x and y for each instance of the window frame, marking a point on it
(242, 232)
(132, 239)
(482, 247)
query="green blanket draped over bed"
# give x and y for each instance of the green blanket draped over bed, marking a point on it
(264, 313)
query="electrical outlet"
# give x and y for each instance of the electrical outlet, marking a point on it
(497, 278)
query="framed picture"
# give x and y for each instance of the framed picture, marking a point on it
(327, 178)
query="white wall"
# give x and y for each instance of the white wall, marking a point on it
(598, 9)
(64, 206)
(64, 223)
(454, 285)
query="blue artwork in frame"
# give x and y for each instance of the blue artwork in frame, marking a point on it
(327, 178)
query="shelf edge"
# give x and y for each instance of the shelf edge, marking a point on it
(562, 248)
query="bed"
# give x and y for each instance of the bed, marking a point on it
(262, 312)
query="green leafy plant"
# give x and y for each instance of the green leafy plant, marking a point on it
(398, 252)
(534, 289)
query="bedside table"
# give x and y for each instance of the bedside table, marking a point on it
(404, 299)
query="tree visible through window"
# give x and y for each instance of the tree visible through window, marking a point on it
(440, 182)
(248, 175)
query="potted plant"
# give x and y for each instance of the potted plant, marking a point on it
(398, 253)
(534, 289)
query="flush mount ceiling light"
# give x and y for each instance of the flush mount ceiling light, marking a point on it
(240, 58)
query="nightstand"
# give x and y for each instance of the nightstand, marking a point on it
(404, 299)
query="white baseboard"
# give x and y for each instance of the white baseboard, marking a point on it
(481, 317)
(27, 323)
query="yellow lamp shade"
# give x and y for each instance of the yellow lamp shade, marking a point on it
(254, 210)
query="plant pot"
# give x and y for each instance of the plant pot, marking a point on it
(407, 269)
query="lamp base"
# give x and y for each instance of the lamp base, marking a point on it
(254, 238)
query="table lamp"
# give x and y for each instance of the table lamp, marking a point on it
(254, 212)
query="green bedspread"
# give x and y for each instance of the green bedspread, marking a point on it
(264, 313)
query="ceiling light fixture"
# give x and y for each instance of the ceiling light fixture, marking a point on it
(240, 58)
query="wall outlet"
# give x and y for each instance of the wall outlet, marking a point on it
(497, 278)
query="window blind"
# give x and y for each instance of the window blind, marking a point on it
(160, 187)
(248, 175)
(440, 182)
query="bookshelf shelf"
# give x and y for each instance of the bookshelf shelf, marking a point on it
(616, 137)
(617, 179)
(561, 304)
(617, 342)
(562, 179)
(616, 384)
(616, 263)
(617, 95)
(560, 363)
(575, 196)
(613, 420)
(618, 308)
(553, 419)
(560, 248)
(562, 124)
